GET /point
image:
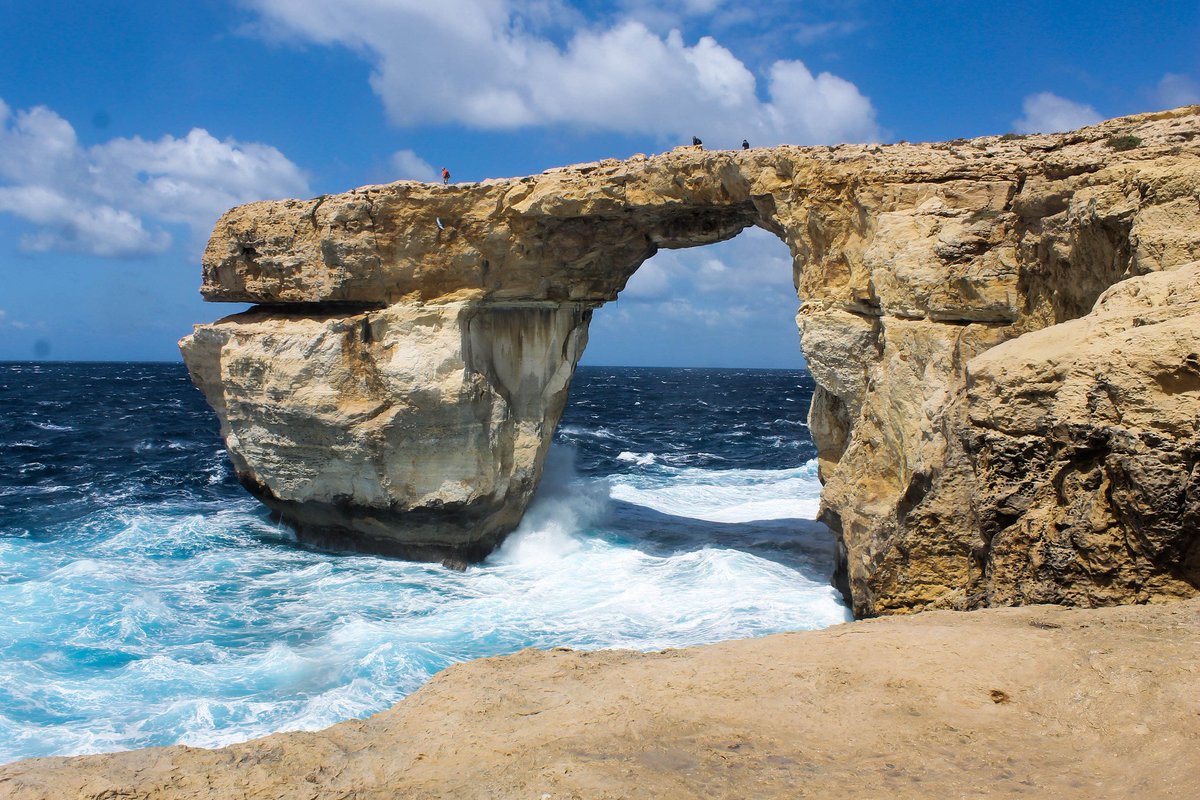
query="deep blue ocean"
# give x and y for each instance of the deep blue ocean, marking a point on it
(147, 600)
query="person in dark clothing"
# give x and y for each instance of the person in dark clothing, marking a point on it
(745, 144)
(696, 142)
(445, 176)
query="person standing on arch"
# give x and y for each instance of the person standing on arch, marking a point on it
(696, 142)
(745, 144)
(445, 176)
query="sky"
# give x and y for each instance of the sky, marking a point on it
(128, 127)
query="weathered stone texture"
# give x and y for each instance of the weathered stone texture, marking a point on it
(422, 419)
(1085, 439)
(910, 261)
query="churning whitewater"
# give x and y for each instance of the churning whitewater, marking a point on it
(149, 601)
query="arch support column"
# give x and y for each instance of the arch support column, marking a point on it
(412, 430)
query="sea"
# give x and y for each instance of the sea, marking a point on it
(146, 599)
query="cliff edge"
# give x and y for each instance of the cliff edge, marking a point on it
(397, 384)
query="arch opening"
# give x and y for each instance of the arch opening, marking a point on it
(691, 405)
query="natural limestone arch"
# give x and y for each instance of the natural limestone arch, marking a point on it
(397, 387)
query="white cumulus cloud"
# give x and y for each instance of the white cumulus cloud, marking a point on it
(651, 282)
(1046, 112)
(111, 199)
(715, 284)
(488, 64)
(735, 270)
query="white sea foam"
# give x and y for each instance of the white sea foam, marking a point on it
(148, 445)
(595, 433)
(555, 575)
(81, 568)
(562, 508)
(735, 495)
(10, 491)
(218, 470)
(205, 625)
(641, 459)
(50, 426)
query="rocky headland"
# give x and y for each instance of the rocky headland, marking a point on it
(1004, 333)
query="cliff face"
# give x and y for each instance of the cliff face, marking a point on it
(1086, 450)
(401, 379)
(413, 430)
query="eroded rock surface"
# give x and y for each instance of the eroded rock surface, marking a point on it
(406, 430)
(1086, 450)
(355, 400)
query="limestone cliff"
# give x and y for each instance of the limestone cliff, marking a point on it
(1086, 450)
(401, 378)
(405, 430)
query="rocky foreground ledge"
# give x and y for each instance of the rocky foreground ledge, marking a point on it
(1030, 702)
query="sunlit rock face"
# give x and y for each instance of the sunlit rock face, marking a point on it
(413, 430)
(398, 384)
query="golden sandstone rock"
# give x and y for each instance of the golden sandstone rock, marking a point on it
(399, 383)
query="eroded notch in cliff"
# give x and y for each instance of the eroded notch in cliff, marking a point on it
(323, 310)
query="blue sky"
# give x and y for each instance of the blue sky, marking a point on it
(127, 127)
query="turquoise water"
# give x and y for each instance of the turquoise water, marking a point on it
(148, 600)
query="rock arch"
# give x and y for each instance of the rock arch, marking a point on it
(398, 382)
